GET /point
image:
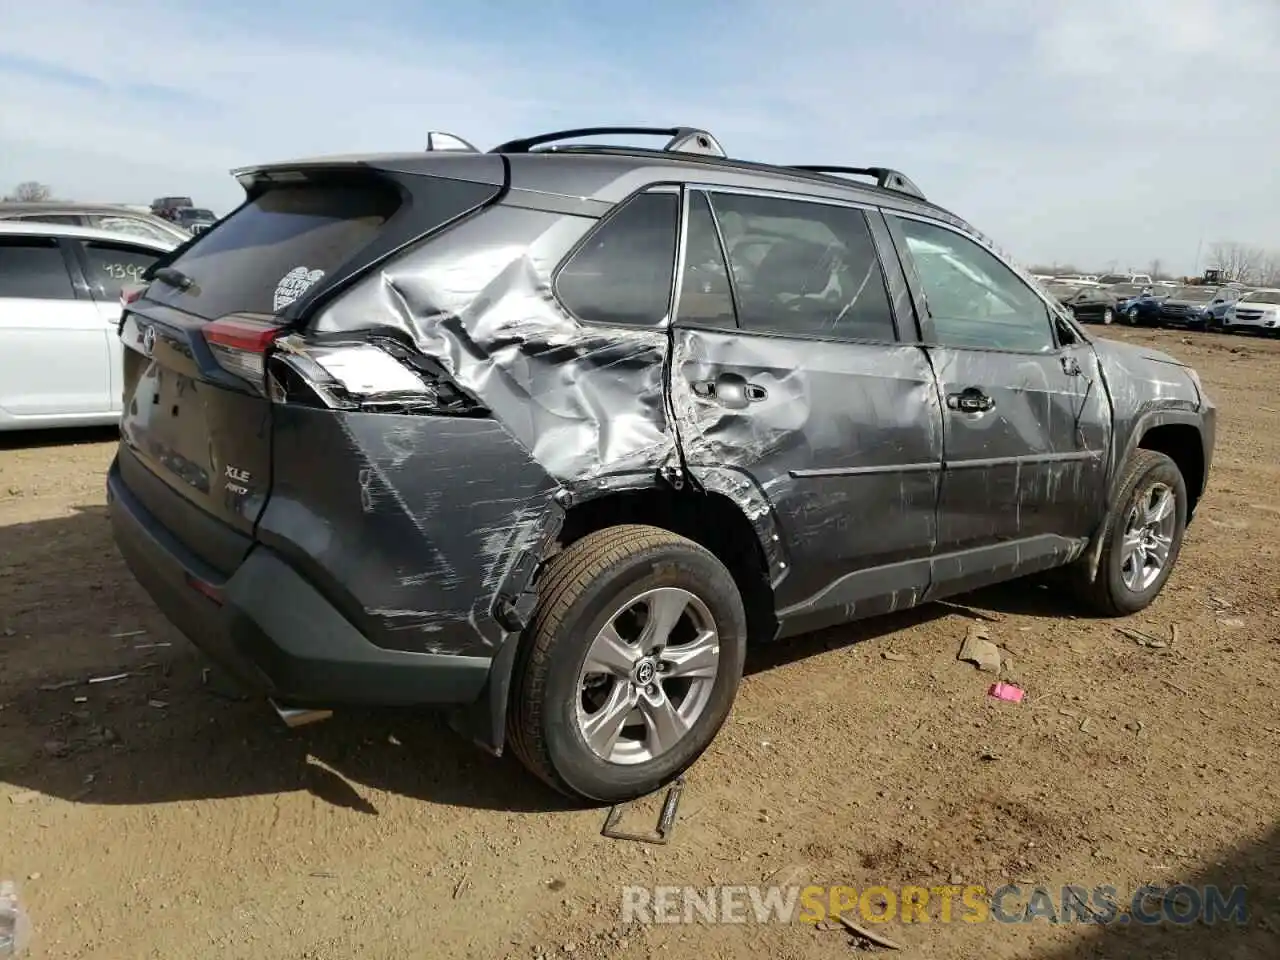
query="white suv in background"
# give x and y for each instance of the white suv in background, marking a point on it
(60, 359)
(1257, 310)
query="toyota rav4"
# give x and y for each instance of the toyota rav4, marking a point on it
(547, 435)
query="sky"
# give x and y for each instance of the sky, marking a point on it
(1104, 133)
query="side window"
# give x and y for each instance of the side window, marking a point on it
(974, 300)
(624, 272)
(33, 268)
(69, 219)
(805, 268)
(705, 295)
(131, 225)
(113, 265)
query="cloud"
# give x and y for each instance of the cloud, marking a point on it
(1101, 132)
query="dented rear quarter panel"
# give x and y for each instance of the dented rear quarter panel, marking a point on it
(411, 524)
(428, 524)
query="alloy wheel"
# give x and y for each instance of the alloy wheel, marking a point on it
(1148, 538)
(647, 676)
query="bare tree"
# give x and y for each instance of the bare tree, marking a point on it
(1269, 269)
(30, 191)
(1237, 261)
(1156, 270)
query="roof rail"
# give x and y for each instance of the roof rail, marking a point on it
(443, 140)
(884, 176)
(681, 139)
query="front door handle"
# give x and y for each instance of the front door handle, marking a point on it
(730, 390)
(970, 400)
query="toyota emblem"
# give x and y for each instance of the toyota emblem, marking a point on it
(149, 340)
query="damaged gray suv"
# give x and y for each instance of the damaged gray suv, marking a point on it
(547, 435)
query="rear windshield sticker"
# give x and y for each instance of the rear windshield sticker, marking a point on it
(293, 285)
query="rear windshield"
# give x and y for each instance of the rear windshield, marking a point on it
(269, 252)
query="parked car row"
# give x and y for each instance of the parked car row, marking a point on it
(183, 212)
(1138, 301)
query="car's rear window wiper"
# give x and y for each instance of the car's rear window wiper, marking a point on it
(174, 278)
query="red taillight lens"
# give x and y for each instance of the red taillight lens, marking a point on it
(131, 294)
(240, 345)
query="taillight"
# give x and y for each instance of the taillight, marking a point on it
(240, 346)
(370, 376)
(132, 294)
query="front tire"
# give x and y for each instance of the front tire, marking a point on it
(1108, 316)
(630, 665)
(1143, 536)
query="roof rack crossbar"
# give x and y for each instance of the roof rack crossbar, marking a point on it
(885, 177)
(680, 139)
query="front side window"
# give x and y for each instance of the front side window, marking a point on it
(804, 268)
(973, 299)
(624, 272)
(112, 266)
(33, 268)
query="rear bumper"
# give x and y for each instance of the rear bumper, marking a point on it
(272, 630)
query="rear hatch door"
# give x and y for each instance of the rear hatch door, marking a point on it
(196, 424)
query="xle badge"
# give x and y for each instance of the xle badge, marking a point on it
(236, 480)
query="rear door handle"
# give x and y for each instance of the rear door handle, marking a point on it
(970, 400)
(730, 390)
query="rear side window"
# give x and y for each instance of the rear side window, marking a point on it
(113, 265)
(624, 272)
(804, 268)
(33, 268)
(68, 219)
(272, 250)
(131, 225)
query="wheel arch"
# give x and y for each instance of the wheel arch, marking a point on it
(707, 517)
(726, 514)
(1183, 444)
(1178, 435)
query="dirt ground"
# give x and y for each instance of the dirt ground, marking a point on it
(153, 816)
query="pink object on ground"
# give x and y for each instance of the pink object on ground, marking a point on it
(1006, 691)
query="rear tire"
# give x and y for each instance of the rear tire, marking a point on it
(624, 583)
(1142, 537)
(1108, 316)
